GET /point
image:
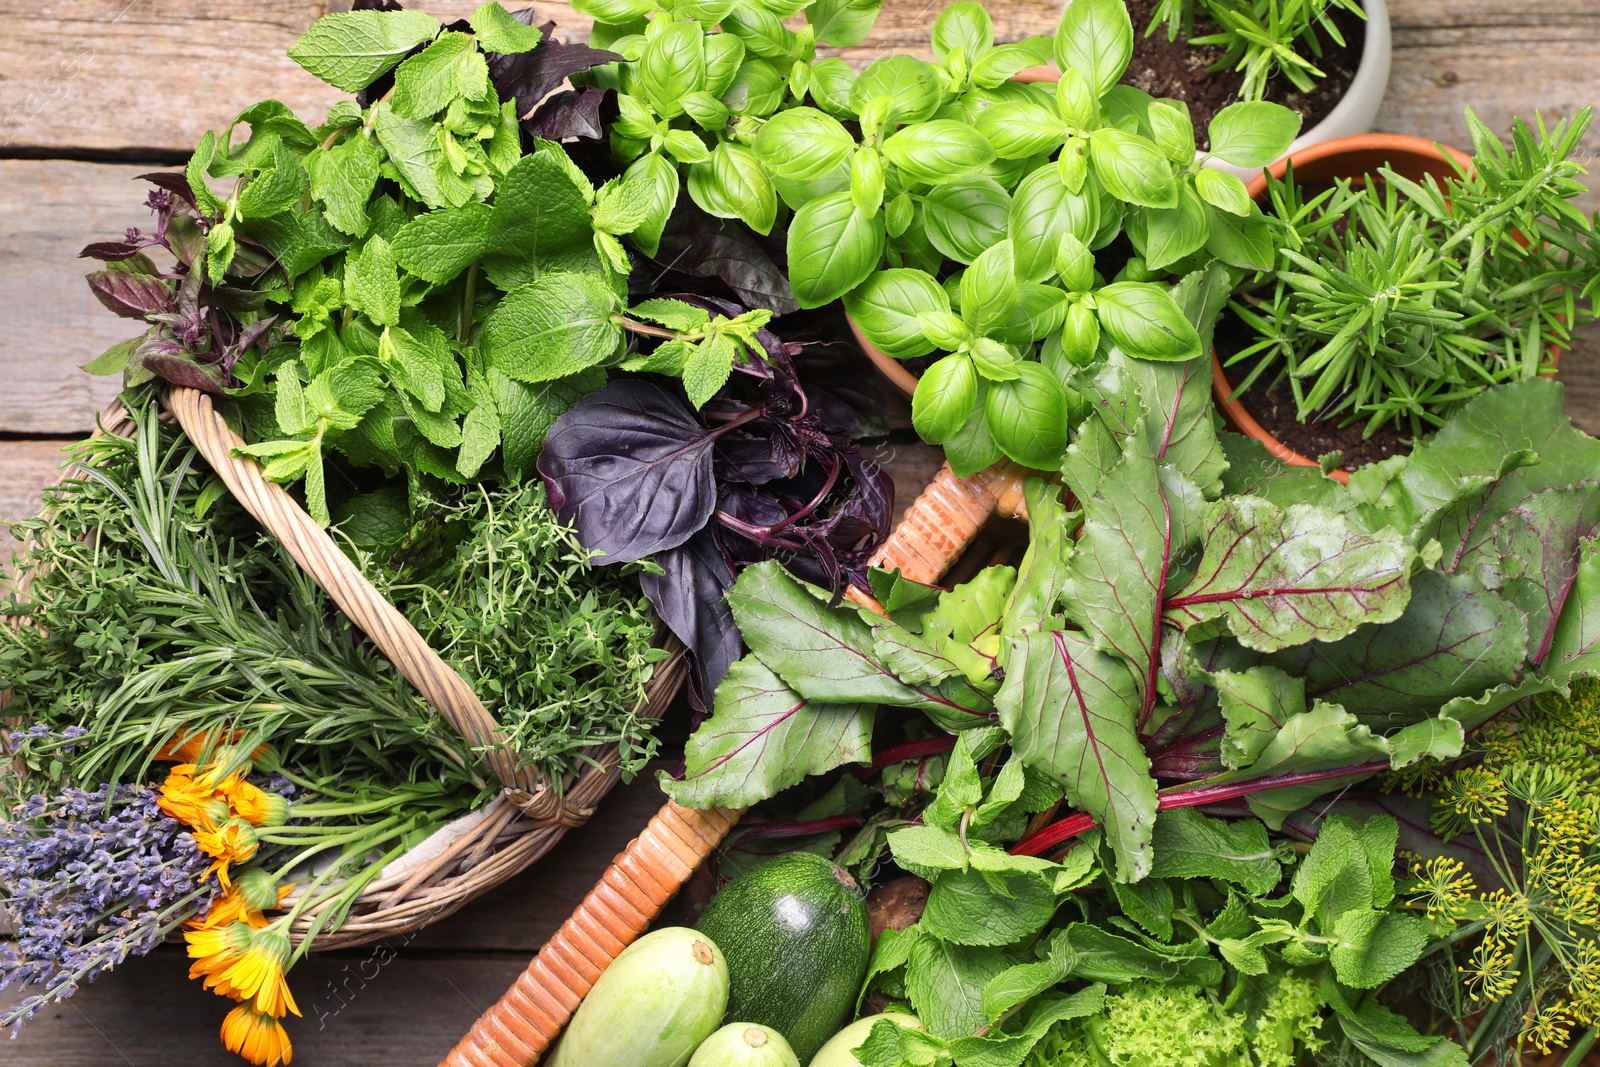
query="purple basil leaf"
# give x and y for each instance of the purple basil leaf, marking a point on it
(631, 469)
(843, 387)
(736, 261)
(762, 452)
(173, 182)
(569, 113)
(133, 296)
(689, 599)
(109, 251)
(183, 370)
(531, 76)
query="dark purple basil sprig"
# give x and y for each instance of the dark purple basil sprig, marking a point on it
(759, 473)
(197, 330)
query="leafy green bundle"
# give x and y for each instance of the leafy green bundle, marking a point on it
(1398, 300)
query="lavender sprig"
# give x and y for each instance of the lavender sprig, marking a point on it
(90, 878)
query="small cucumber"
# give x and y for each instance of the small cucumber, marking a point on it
(652, 1007)
(839, 1051)
(745, 1045)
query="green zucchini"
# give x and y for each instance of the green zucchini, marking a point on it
(794, 930)
(838, 1052)
(652, 1007)
(745, 1045)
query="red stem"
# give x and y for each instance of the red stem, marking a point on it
(932, 746)
(801, 829)
(1190, 797)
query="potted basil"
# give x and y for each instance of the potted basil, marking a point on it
(991, 230)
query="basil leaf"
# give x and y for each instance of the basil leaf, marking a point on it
(653, 173)
(842, 23)
(1252, 133)
(937, 151)
(911, 86)
(1144, 321)
(672, 66)
(989, 289)
(802, 144)
(1132, 169)
(1042, 209)
(1246, 242)
(352, 49)
(973, 447)
(831, 81)
(966, 216)
(1080, 335)
(1028, 417)
(552, 327)
(1170, 234)
(1172, 130)
(833, 247)
(757, 88)
(733, 186)
(1021, 129)
(885, 308)
(1222, 190)
(1040, 312)
(724, 52)
(964, 28)
(1095, 38)
(996, 67)
(630, 469)
(945, 397)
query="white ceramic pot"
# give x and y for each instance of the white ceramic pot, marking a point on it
(1357, 110)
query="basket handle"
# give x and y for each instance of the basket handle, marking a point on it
(518, 1029)
(320, 557)
(627, 899)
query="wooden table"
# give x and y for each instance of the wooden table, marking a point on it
(94, 92)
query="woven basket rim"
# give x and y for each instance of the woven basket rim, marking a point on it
(537, 813)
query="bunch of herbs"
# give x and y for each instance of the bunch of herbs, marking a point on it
(1264, 39)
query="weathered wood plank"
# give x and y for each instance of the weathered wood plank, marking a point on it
(53, 325)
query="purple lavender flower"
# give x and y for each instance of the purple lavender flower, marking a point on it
(90, 878)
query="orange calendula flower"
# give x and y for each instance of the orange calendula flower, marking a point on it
(232, 842)
(252, 804)
(261, 1039)
(256, 978)
(235, 907)
(191, 803)
(216, 948)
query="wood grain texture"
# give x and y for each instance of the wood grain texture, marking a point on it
(52, 326)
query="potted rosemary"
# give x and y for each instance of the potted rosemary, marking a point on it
(1410, 279)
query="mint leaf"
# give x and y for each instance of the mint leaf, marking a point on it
(449, 68)
(499, 31)
(927, 850)
(418, 160)
(1374, 946)
(1190, 845)
(1071, 711)
(1016, 985)
(763, 737)
(541, 222)
(965, 909)
(707, 369)
(371, 282)
(1101, 956)
(194, 173)
(552, 327)
(351, 49)
(439, 245)
(528, 411)
(945, 984)
(673, 314)
(343, 178)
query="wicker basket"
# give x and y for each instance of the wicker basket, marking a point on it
(511, 834)
(631, 894)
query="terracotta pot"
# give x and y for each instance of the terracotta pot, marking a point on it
(1411, 157)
